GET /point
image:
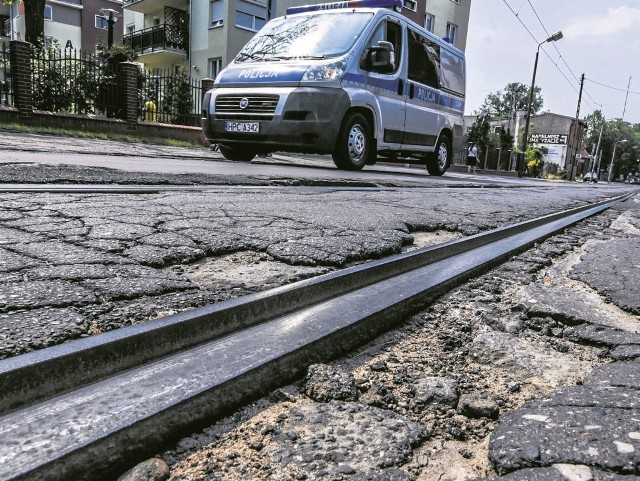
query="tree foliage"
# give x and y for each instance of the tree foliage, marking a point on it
(479, 132)
(624, 136)
(498, 104)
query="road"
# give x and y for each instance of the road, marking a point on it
(541, 351)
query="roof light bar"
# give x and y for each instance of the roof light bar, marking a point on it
(395, 4)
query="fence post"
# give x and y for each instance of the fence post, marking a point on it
(206, 84)
(129, 89)
(20, 58)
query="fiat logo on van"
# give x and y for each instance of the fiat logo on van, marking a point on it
(244, 103)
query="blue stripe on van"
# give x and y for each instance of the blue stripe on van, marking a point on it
(262, 74)
(422, 94)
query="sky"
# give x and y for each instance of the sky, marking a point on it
(601, 39)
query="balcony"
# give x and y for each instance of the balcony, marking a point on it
(162, 41)
(150, 6)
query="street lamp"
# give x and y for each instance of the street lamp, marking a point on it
(613, 158)
(556, 36)
(111, 15)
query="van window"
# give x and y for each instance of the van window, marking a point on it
(389, 32)
(452, 72)
(424, 60)
(310, 36)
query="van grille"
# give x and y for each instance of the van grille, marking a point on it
(255, 104)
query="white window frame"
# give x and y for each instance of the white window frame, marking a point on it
(49, 17)
(218, 21)
(106, 22)
(432, 18)
(48, 41)
(452, 32)
(130, 28)
(410, 5)
(214, 66)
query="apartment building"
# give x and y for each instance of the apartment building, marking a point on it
(205, 35)
(201, 36)
(448, 19)
(69, 24)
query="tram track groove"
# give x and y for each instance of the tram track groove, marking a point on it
(155, 381)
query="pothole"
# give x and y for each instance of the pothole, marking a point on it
(245, 271)
(426, 239)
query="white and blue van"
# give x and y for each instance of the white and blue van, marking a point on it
(353, 79)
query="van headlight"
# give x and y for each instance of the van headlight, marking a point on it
(325, 71)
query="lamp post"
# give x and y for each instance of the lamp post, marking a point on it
(111, 15)
(613, 156)
(556, 36)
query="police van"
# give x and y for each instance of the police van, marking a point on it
(354, 79)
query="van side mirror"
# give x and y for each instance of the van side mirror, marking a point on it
(381, 58)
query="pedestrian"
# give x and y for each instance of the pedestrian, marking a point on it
(472, 159)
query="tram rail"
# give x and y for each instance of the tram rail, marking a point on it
(98, 404)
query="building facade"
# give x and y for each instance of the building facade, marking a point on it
(558, 136)
(68, 24)
(448, 19)
(203, 36)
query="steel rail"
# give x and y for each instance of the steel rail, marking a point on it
(96, 404)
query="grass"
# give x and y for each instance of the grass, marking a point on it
(98, 135)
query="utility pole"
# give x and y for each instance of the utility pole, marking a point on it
(625, 99)
(572, 160)
(598, 148)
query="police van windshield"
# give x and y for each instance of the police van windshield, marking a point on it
(306, 37)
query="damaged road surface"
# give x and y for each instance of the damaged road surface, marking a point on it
(525, 373)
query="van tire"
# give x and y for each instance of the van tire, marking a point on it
(237, 154)
(439, 160)
(353, 147)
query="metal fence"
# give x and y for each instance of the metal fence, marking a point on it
(6, 92)
(171, 97)
(74, 82)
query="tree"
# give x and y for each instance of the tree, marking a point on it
(34, 21)
(498, 104)
(478, 133)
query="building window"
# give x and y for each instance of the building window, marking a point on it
(102, 22)
(216, 13)
(215, 65)
(250, 16)
(410, 5)
(156, 21)
(452, 30)
(429, 22)
(48, 42)
(48, 12)
(131, 28)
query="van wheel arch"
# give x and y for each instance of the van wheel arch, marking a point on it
(340, 156)
(441, 158)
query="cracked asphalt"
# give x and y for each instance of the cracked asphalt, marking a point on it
(529, 372)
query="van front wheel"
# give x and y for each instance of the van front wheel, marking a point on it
(438, 162)
(353, 147)
(237, 154)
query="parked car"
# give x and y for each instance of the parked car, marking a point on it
(590, 177)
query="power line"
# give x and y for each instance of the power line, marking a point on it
(549, 56)
(612, 88)
(558, 51)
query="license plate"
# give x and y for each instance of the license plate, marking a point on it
(250, 127)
